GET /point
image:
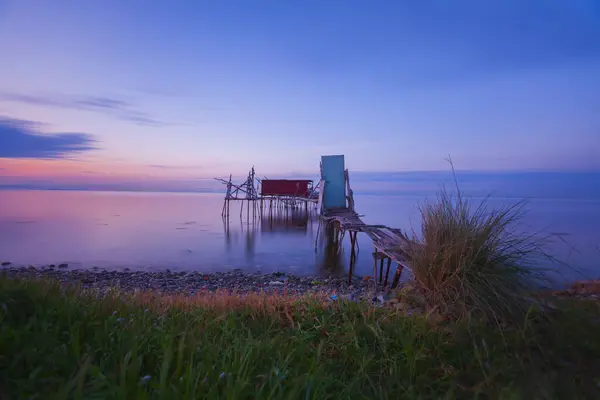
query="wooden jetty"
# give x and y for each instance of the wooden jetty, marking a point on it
(337, 207)
(334, 199)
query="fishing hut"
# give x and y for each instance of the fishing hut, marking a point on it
(287, 193)
(337, 208)
(272, 195)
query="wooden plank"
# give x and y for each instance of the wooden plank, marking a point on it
(388, 241)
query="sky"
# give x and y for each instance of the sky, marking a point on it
(168, 94)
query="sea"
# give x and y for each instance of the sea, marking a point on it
(155, 231)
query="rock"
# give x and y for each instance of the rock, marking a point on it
(64, 265)
(6, 263)
(275, 283)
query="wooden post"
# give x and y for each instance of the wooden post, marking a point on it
(387, 272)
(352, 244)
(375, 266)
(381, 268)
(397, 276)
(352, 255)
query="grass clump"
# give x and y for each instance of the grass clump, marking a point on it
(58, 343)
(470, 259)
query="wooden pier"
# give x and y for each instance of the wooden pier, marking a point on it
(334, 199)
(390, 244)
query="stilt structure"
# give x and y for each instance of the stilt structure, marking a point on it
(269, 195)
(337, 207)
(247, 191)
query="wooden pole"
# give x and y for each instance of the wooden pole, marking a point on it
(375, 267)
(397, 276)
(387, 272)
(381, 269)
(352, 244)
(352, 255)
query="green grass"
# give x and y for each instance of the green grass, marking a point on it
(57, 344)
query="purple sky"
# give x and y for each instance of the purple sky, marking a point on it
(181, 90)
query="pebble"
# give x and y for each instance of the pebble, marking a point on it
(191, 282)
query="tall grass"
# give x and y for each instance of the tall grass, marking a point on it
(473, 259)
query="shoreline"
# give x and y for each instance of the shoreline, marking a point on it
(238, 281)
(192, 282)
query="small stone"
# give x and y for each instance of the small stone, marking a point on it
(275, 283)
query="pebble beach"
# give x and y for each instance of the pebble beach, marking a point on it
(190, 283)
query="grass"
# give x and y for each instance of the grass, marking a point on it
(471, 259)
(59, 343)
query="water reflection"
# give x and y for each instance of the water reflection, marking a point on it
(280, 225)
(154, 231)
(332, 260)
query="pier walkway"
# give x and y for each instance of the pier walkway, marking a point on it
(336, 201)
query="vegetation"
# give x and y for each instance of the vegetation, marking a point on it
(58, 343)
(470, 259)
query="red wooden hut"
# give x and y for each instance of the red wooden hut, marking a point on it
(286, 187)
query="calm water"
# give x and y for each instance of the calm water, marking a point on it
(154, 231)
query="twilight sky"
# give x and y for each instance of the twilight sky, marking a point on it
(167, 93)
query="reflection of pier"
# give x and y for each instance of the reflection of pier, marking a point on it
(294, 221)
(287, 222)
(279, 221)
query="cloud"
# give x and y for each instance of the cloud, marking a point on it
(184, 167)
(20, 139)
(113, 107)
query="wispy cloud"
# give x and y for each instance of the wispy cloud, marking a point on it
(177, 167)
(113, 107)
(21, 139)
